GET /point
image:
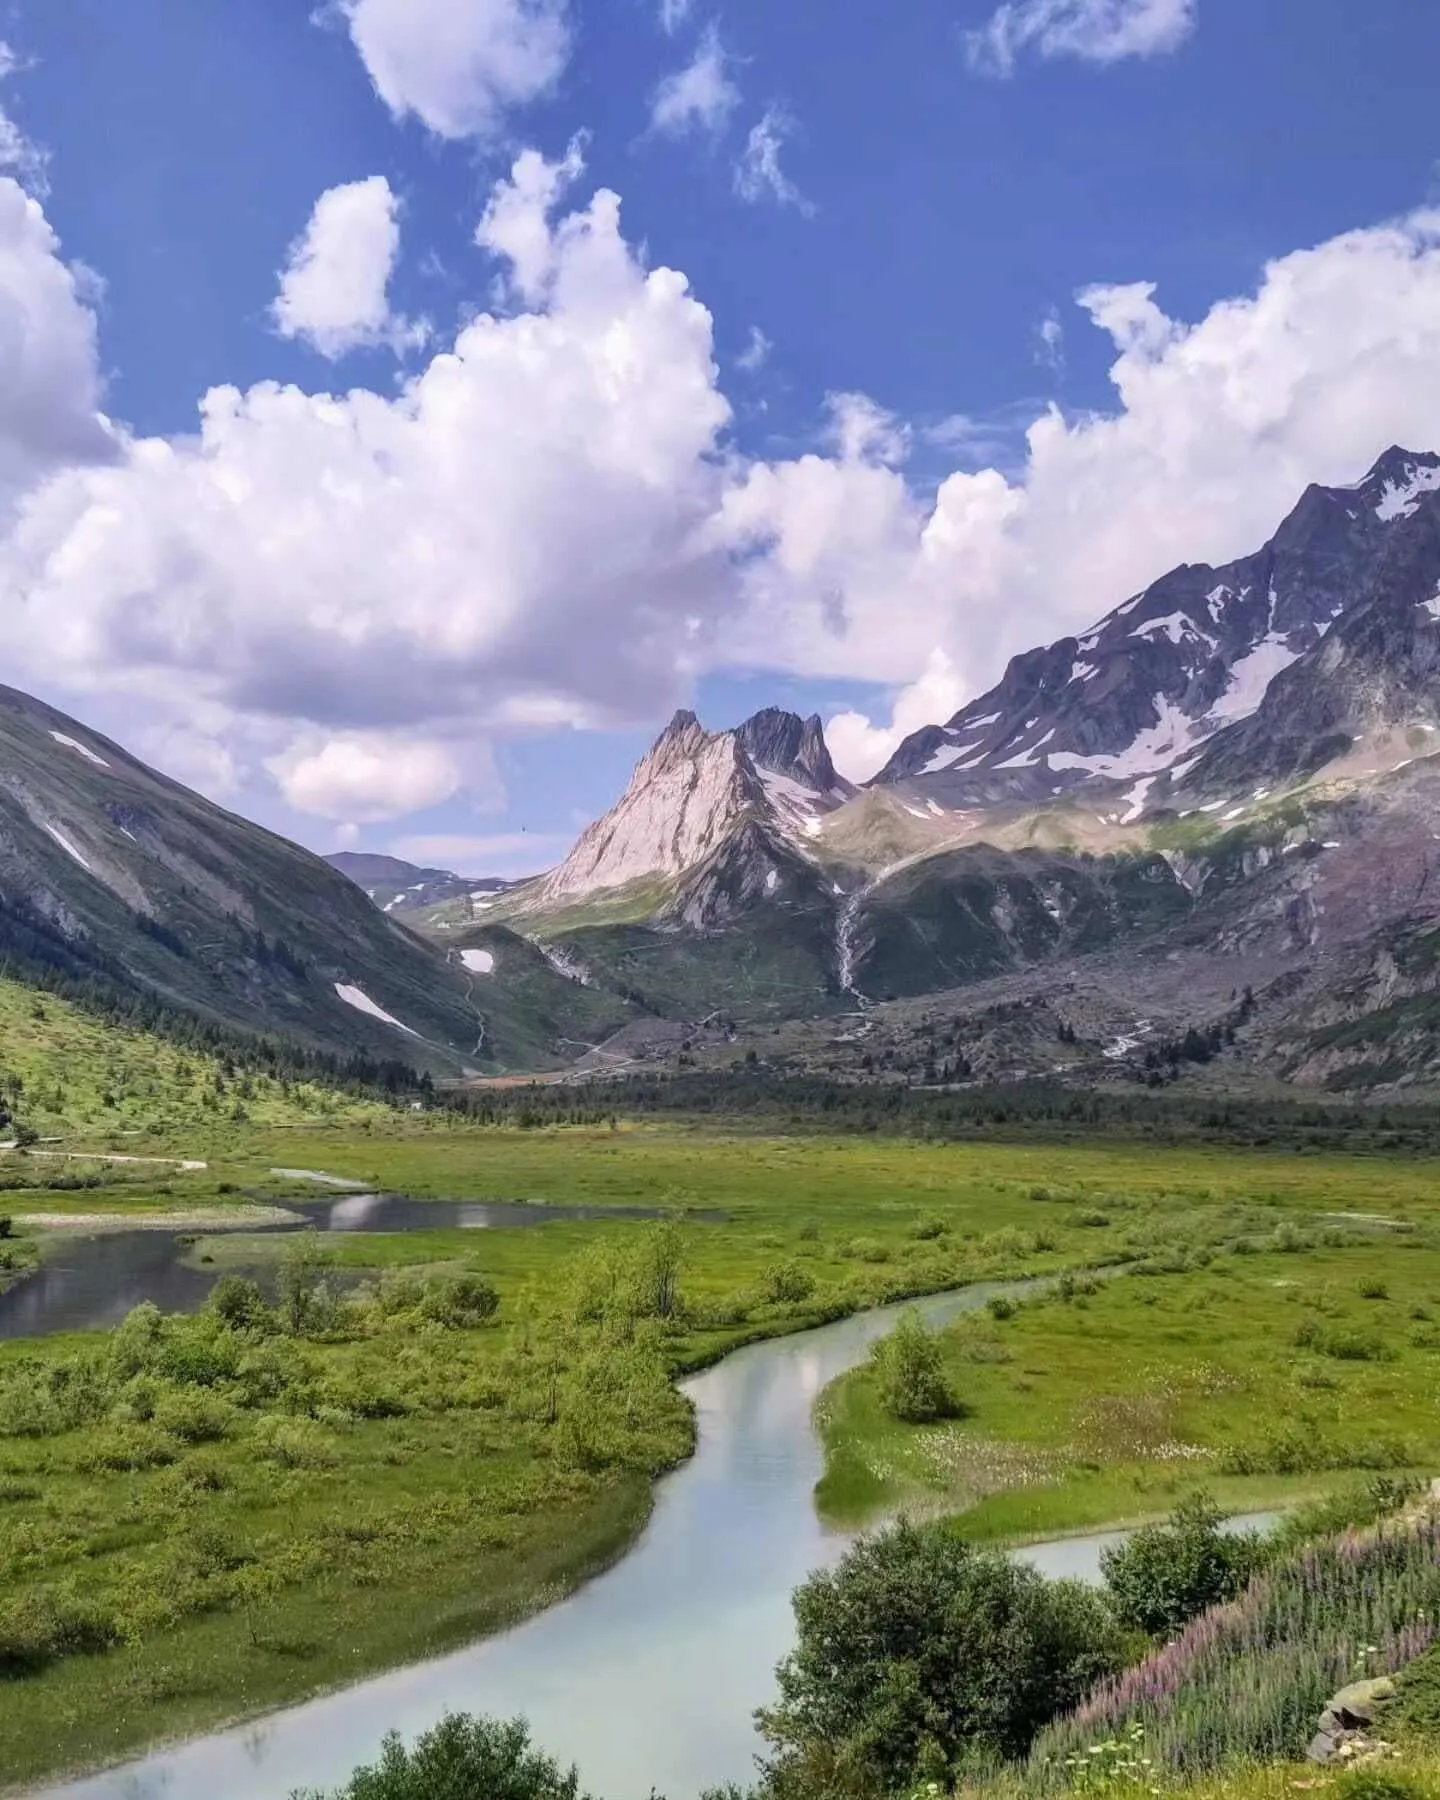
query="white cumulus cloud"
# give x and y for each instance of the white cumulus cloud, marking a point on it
(860, 749)
(509, 542)
(459, 66)
(1096, 31)
(50, 387)
(1216, 429)
(548, 526)
(361, 777)
(335, 288)
(699, 97)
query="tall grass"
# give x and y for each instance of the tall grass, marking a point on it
(1249, 1680)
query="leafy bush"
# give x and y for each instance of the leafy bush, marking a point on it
(910, 1373)
(462, 1303)
(919, 1651)
(868, 1250)
(1001, 1306)
(788, 1284)
(462, 1758)
(195, 1418)
(239, 1303)
(1165, 1575)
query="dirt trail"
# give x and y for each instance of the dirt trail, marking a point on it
(186, 1164)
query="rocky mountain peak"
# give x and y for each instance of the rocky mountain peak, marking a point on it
(788, 745)
(1144, 690)
(684, 737)
(698, 793)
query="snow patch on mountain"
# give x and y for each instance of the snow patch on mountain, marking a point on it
(1147, 754)
(1250, 677)
(1401, 499)
(478, 962)
(361, 1001)
(70, 743)
(69, 848)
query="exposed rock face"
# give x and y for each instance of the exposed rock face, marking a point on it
(1148, 687)
(750, 792)
(784, 744)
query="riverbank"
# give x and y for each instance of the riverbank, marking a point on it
(277, 1544)
(1270, 1371)
(208, 1674)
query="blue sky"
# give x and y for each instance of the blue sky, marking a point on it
(928, 214)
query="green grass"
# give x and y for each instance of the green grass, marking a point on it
(67, 1071)
(867, 1219)
(1417, 1712)
(1267, 1377)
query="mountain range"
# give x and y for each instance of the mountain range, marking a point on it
(1229, 786)
(398, 886)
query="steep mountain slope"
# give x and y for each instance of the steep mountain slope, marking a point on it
(398, 886)
(710, 822)
(114, 878)
(1169, 670)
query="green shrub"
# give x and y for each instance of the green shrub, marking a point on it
(929, 1227)
(294, 1443)
(1001, 1306)
(918, 1651)
(461, 1759)
(462, 1303)
(194, 1417)
(239, 1302)
(1165, 1575)
(910, 1373)
(868, 1250)
(788, 1284)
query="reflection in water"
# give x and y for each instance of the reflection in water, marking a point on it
(649, 1675)
(91, 1283)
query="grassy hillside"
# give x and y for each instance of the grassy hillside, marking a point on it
(64, 1071)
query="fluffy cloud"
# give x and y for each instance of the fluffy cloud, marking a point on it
(510, 542)
(459, 65)
(366, 776)
(19, 156)
(756, 353)
(673, 14)
(50, 388)
(548, 527)
(1096, 31)
(758, 174)
(699, 97)
(860, 748)
(1217, 428)
(335, 289)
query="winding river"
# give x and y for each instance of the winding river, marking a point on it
(648, 1676)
